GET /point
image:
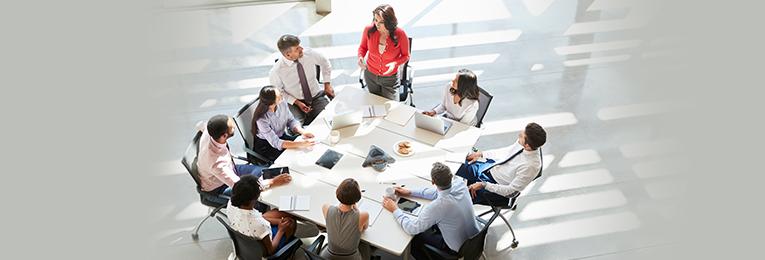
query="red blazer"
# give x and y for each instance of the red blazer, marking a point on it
(376, 62)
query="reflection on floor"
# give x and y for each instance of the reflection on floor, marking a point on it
(605, 184)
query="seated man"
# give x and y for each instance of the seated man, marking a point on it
(445, 223)
(506, 170)
(273, 228)
(217, 171)
(294, 74)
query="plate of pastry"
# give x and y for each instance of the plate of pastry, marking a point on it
(403, 148)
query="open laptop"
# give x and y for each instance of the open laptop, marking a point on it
(434, 124)
(345, 119)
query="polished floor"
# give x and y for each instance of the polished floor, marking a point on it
(607, 185)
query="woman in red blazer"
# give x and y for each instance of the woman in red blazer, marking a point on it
(387, 47)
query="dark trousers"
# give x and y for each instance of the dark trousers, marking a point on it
(318, 104)
(385, 86)
(476, 172)
(432, 237)
(264, 148)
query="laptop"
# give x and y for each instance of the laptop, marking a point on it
(345, 119)
(434, 124)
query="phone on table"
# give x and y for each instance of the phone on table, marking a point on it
(409, 206)
(273, 172)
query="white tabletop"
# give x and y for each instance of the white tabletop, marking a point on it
(411, 171)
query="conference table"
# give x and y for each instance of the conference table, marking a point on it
(412, 171)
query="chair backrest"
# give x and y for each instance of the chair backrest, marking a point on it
(484, 99)
(189, 159)
(473, 247)
(245, 247)
(311, 255)
(243, 122)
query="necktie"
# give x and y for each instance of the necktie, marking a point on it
(505, 161)
(307, 98)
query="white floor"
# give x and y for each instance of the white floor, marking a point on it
(606, 188)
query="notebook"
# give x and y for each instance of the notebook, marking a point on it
(371, 207)
(294, 202)
(375, 111)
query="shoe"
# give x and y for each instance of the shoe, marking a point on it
(306, 229)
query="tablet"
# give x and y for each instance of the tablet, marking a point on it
(409, 206)
(273, 172)
(329, 159)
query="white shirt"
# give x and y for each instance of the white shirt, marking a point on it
(284, 75)
(516, 174)
(248, 222)
(465, 113)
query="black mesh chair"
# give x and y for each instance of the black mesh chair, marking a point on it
(243, 122)
(484, 100)
(471, 249)
(313, 251)
(213, 201)
(405, 92)
(249, 248)
(497, 209)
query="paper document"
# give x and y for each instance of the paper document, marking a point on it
(375, 111)
(456, 157)
(401, 114)
(372, 207)
(291, 203)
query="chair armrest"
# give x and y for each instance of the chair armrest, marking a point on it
(439, 253)
(257, 155)
(287, 250)
(315, 247)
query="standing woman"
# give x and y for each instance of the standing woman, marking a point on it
(271, 119)
(388, 48)
(460, 102)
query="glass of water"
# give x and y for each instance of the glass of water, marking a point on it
(334, 137)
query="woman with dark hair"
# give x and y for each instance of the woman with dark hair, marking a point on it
(460, 101)
(273, 228)
(271, 119)
(388, 48)
(345, 223)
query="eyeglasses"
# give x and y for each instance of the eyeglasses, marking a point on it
(452, 91)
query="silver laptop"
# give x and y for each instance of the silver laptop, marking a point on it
(434, 124)
(345, 119)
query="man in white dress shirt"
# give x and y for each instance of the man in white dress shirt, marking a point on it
(496, 175)
(295, 74)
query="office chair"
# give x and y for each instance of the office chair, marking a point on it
(484, 100)
(313, 251)
(471, 249)
(243, 121)
(249, 248)
(512, 205)
(213, 201)
(406, 74)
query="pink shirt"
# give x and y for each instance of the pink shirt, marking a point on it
(214, 164)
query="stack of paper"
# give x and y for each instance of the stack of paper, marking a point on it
(375, 111)
(372, 207)
(291, 203)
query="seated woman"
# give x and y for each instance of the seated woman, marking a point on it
(273, 228)
(460, 99)
(345, 224)
(270, 120)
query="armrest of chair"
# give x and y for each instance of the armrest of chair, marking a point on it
(438, 253)
(287, 250)
(315, 247)
(257, 155)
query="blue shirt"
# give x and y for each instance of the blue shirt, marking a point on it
(274, 124)
(451, 210)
